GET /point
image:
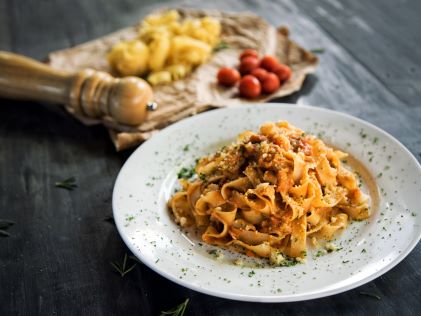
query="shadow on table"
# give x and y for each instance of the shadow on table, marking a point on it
(308, 85)
(30, 123)
(35, 125)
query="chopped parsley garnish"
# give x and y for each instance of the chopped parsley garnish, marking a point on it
(288, 263)
(185, 173)
(129, 218)
(215, 253)
(251, 273)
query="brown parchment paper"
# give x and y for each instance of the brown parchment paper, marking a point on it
(199, 91)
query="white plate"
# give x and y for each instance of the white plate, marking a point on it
(369, 248)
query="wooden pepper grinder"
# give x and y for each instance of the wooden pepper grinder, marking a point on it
(89, 93)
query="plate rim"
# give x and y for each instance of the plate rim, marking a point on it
(264, 298)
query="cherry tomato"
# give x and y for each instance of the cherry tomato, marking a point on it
(269, 62)
(248, 64)
(259, 73)
(250, 87)
(283, 72)
(271, 83)
(249, 53)
(228, 76)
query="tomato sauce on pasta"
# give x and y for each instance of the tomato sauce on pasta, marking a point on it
(270, 192)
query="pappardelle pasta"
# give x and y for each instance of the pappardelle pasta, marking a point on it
(270, 193)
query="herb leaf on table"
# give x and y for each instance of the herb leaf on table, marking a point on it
(372, 295)
(178, 310)
(68, 184)
(122, 269)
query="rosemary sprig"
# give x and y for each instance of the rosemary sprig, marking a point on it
(176, 311)
(122, 269)
(319, 50)
(68, 184)
(4, 225)
(377, 297)
(222, 45)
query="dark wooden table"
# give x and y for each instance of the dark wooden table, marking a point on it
(57, 258)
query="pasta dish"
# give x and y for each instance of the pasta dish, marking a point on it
(270, 193)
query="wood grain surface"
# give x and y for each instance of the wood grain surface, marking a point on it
(56, 260)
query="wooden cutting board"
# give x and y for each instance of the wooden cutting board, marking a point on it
(197, 92)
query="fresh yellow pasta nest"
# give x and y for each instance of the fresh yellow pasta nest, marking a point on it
(173, 72)
(129, 58)
(167, 47)
(269, 191)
